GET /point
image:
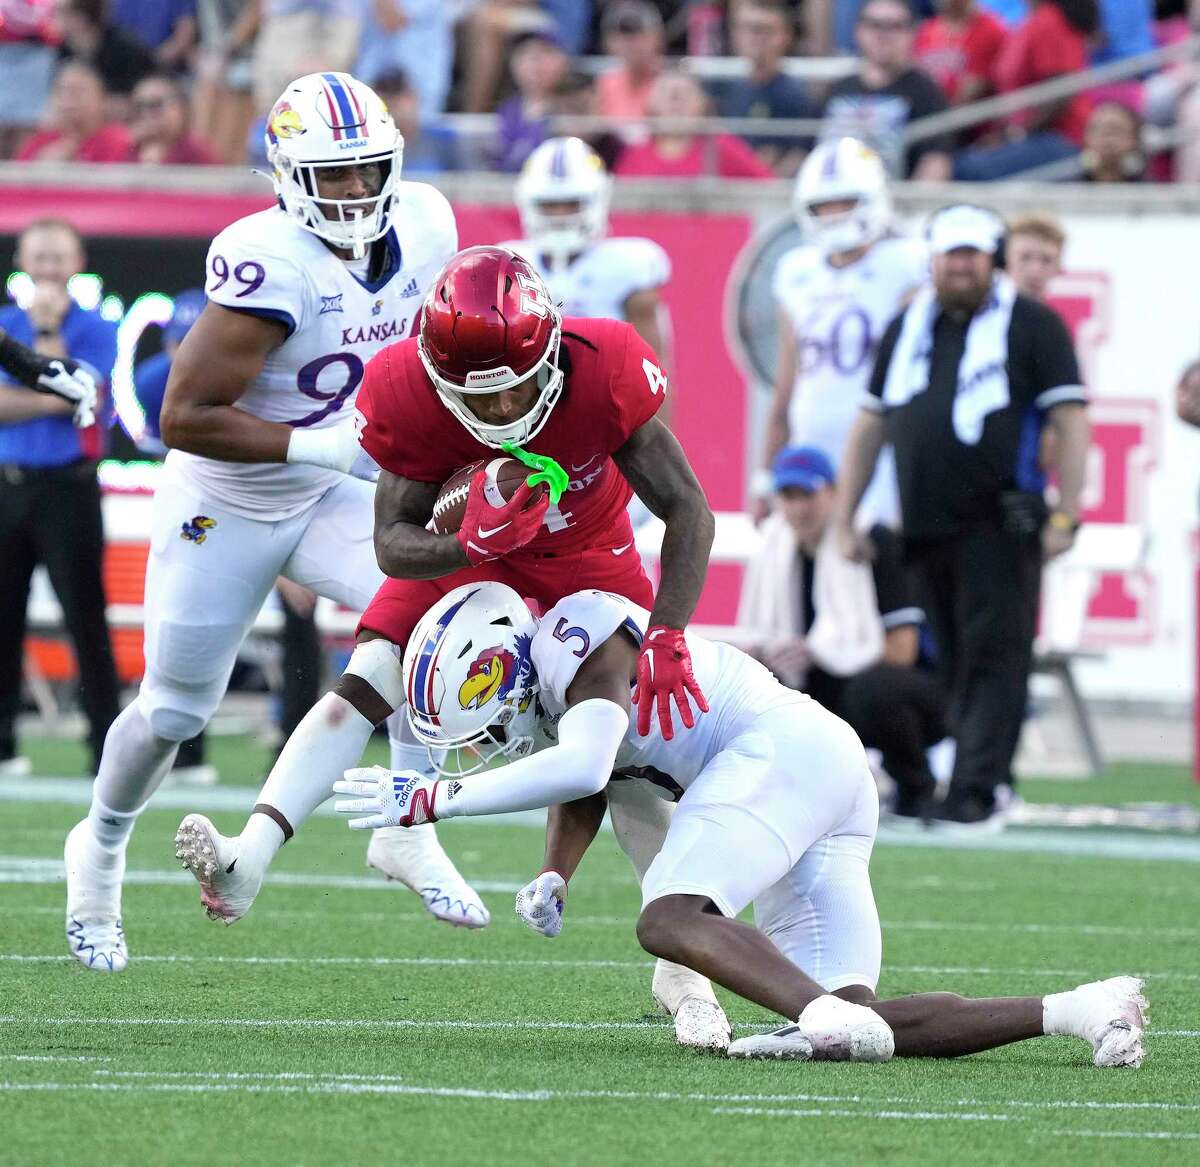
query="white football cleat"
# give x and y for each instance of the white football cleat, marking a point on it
(414, 857)
(700, 1022)
(1112, 1016)
(226, 890)
(841, 1031)
(94, 873)
(786, 1044)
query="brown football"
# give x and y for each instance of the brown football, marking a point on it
(504, 476)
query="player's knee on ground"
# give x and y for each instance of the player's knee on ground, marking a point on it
(666, 925)
(373, 682)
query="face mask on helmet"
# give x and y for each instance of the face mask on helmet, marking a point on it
(562, 195)
(489, 326)
(546, 381)
(328, 121)
(843, 171)
(470, 687)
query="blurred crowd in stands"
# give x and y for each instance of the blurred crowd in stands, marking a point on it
(190, 81)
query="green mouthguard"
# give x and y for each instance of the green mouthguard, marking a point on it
(545, 470)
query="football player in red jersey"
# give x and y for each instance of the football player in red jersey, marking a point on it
(494, 362)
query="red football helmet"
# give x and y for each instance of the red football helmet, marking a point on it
(490, 324)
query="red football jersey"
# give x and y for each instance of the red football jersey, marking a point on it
(612, 386)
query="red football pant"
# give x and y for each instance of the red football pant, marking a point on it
(545, 579)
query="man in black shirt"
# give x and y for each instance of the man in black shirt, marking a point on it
(762, 33)
(860, 662)
(964, 380)
(888, 92)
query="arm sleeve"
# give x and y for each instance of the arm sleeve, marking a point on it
(872, 399)
(637, 389)
(589, 736)
(894, 588)
(1055, 367)
(251, 278)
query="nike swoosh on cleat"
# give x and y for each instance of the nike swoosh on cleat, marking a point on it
(491, 531)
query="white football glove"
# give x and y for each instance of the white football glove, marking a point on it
(540, 903)
(75, 385)
(388, 798)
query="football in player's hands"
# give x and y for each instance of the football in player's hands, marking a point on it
(504, 477)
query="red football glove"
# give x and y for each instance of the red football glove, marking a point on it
(664, 671)
(488, 532)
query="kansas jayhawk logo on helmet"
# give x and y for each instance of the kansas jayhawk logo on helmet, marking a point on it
(284, 122)
(491, 674)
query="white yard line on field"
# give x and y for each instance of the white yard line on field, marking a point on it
(970, 1109)
(52, 1058)
(38, 869)
(628, 921)
(819, 1112)
(184, 959)
(333, 1023)
(1036, 840)
(392, 1023)
(344, 961)
(657, 1096)
(1161, 1136)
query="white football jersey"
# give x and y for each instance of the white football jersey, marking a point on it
(738, 689)
(267, 265)
(839, 315)
(599, 280)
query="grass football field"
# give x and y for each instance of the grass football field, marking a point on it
(338, 1024)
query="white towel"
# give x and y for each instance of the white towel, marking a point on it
(982, 373)
(847, 634)
(769, 604)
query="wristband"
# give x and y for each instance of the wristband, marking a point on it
(47, 332)
(316, 447)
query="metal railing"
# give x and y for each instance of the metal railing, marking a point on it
(1045, 92)
(729, 68)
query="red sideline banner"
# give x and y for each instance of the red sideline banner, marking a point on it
(710, 406)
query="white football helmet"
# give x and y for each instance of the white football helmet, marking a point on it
(325, 120)
(468, 679)
(843, 168)
(567, 171)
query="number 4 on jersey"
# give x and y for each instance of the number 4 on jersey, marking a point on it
(654, 375)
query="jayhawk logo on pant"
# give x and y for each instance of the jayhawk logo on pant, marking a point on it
(196, 529)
